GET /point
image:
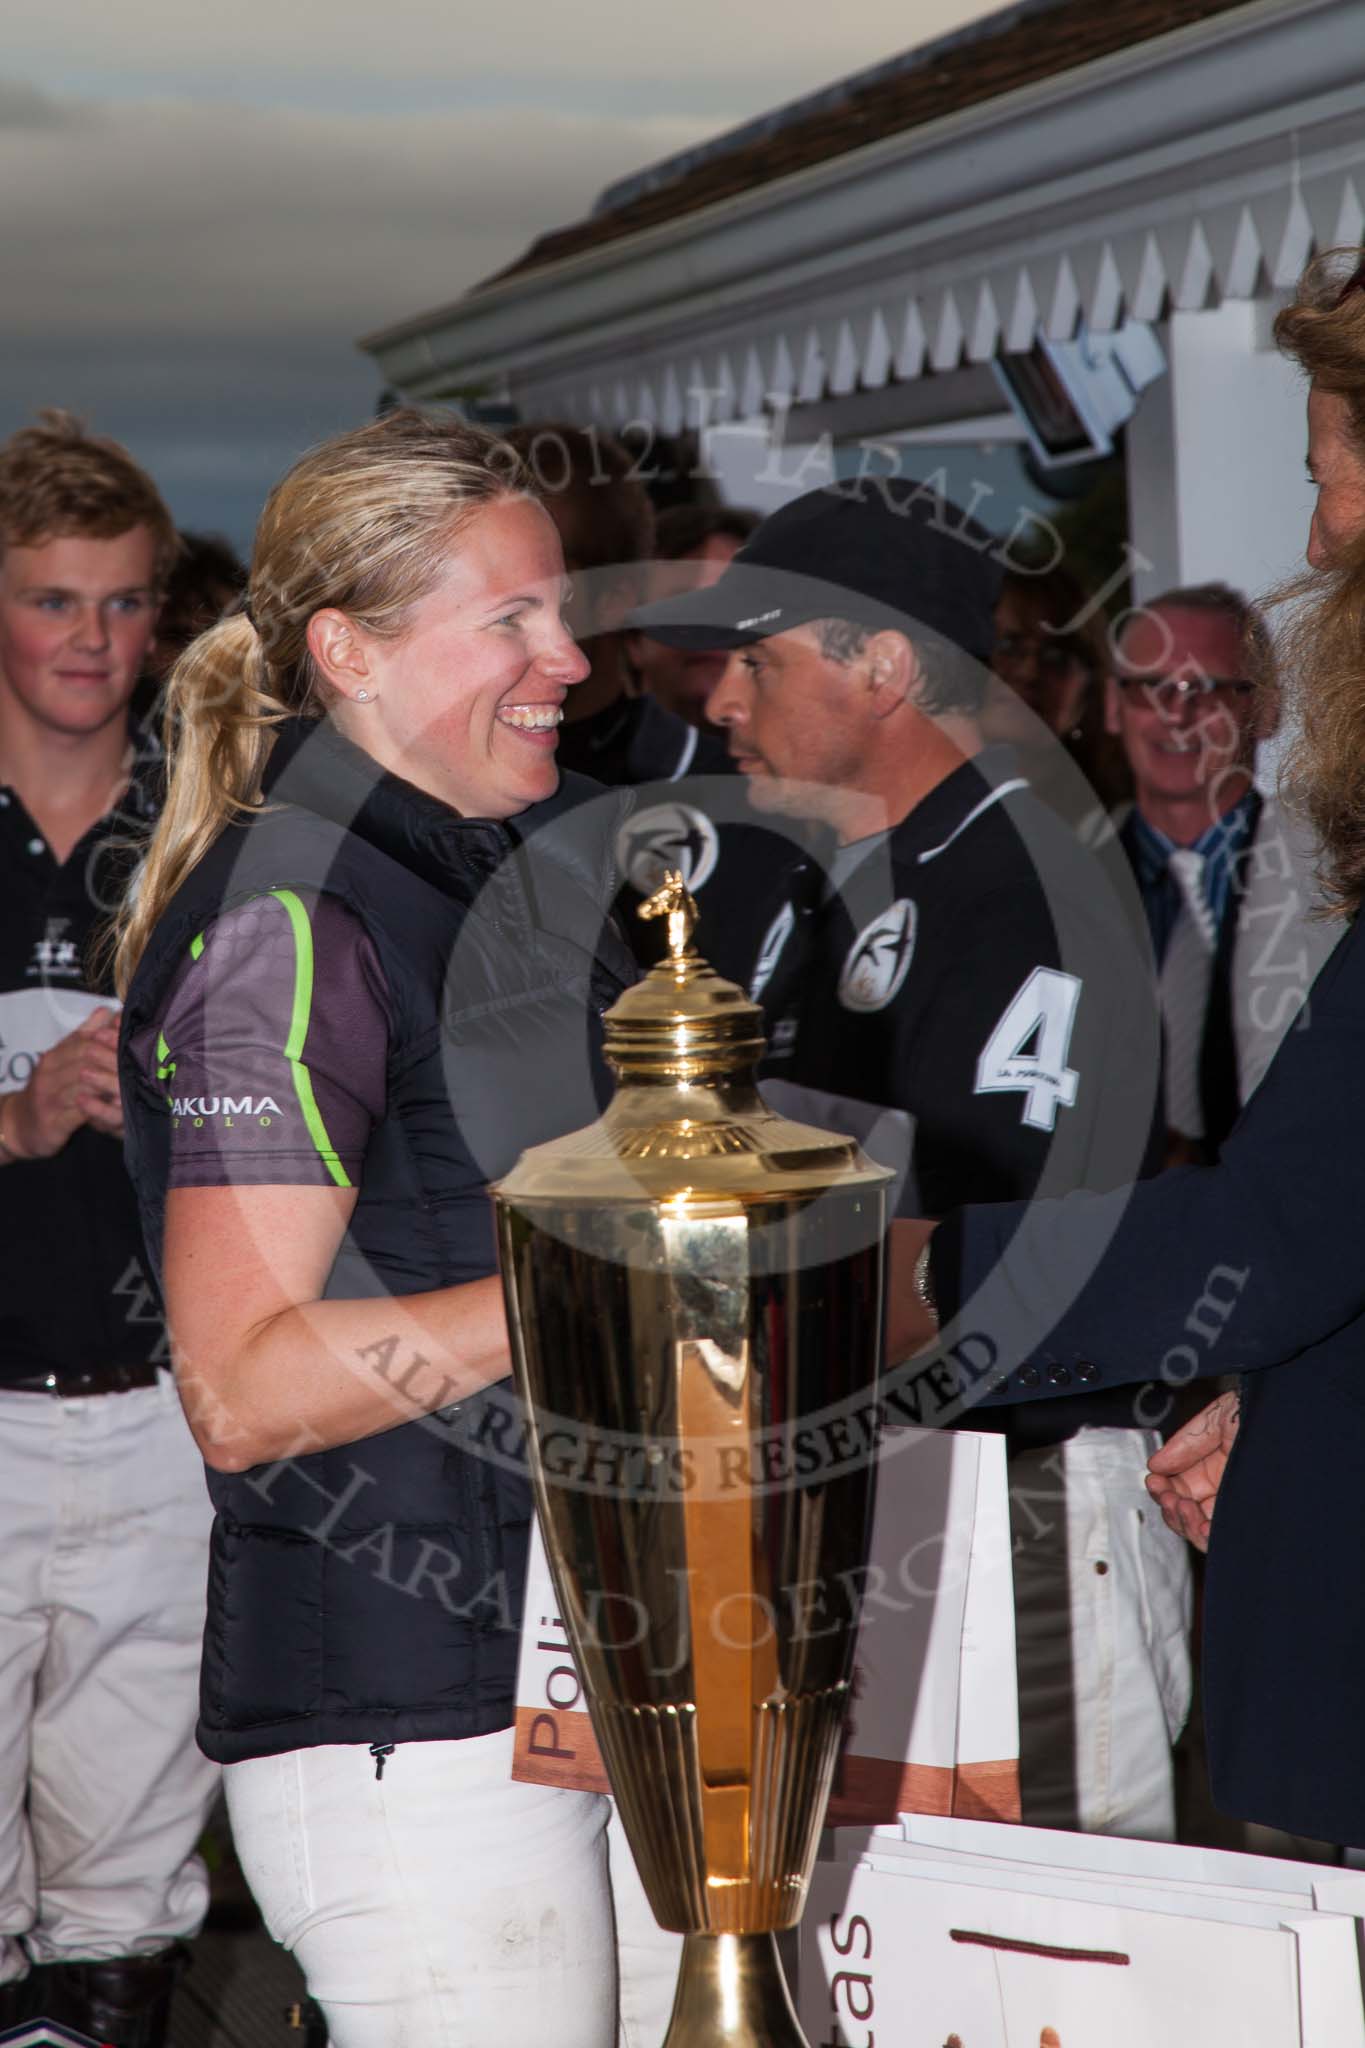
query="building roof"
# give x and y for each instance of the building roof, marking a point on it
(1019, 46)
(1202, 159)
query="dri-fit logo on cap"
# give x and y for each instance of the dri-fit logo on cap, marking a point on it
(667, 836)
(759, 619)
(879, 958)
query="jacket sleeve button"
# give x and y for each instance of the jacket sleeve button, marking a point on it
(1059, 1375)
(1087, 1372)
(1029, 1376)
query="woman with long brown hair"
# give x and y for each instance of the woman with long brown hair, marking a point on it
(1051, 651)
(1252, 1265)
(363, 969)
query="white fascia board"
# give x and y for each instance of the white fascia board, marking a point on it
(1204, 105)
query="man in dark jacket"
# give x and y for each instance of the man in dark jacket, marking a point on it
(1224, 873)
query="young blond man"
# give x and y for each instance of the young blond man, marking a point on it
(103, 1510)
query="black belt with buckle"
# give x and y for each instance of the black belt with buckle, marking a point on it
(98, 1379)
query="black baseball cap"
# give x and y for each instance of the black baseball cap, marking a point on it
(882, 551)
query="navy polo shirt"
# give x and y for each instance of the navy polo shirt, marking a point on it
(77, 1292)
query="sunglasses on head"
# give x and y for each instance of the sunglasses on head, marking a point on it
(1354, 283)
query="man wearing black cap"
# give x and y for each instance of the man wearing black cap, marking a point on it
(962, 985)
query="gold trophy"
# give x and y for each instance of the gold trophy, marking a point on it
(694, 1291)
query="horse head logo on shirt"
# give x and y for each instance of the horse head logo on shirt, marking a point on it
(879, 958)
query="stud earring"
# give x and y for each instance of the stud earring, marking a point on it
(362, 696)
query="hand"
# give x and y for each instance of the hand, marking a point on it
(909, 1324)
(1185, 1474)
(74, 1083)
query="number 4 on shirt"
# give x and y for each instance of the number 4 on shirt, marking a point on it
(1027, 1049)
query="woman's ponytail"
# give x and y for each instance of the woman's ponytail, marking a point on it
(218, 729)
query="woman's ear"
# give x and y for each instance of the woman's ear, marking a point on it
(341, 654)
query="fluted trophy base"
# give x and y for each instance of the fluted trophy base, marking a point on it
(732, 1994)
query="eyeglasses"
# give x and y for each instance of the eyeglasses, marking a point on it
(1160, 690)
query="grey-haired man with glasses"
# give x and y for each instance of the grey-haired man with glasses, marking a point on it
(1225, 877)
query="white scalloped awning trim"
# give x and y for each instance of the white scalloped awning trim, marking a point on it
(1186, 261)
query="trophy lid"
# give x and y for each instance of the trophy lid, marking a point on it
(687, 1122)
(683, 1022)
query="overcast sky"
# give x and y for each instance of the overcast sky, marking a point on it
(202, 207)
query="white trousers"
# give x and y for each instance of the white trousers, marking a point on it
(1103, 1608)
(104, 1525)
(444, 1905)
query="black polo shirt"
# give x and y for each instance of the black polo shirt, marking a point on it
(968, 995)
(76, 1292)
(972, 970)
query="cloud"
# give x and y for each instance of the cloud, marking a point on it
(593, 54)
(204, 207)
(23, 106)
(193, 278)
(232, 220)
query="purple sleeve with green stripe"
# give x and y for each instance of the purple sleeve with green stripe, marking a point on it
(272, 1046)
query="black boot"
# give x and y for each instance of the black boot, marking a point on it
(125, 2002)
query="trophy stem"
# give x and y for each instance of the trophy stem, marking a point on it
(732, 1994)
